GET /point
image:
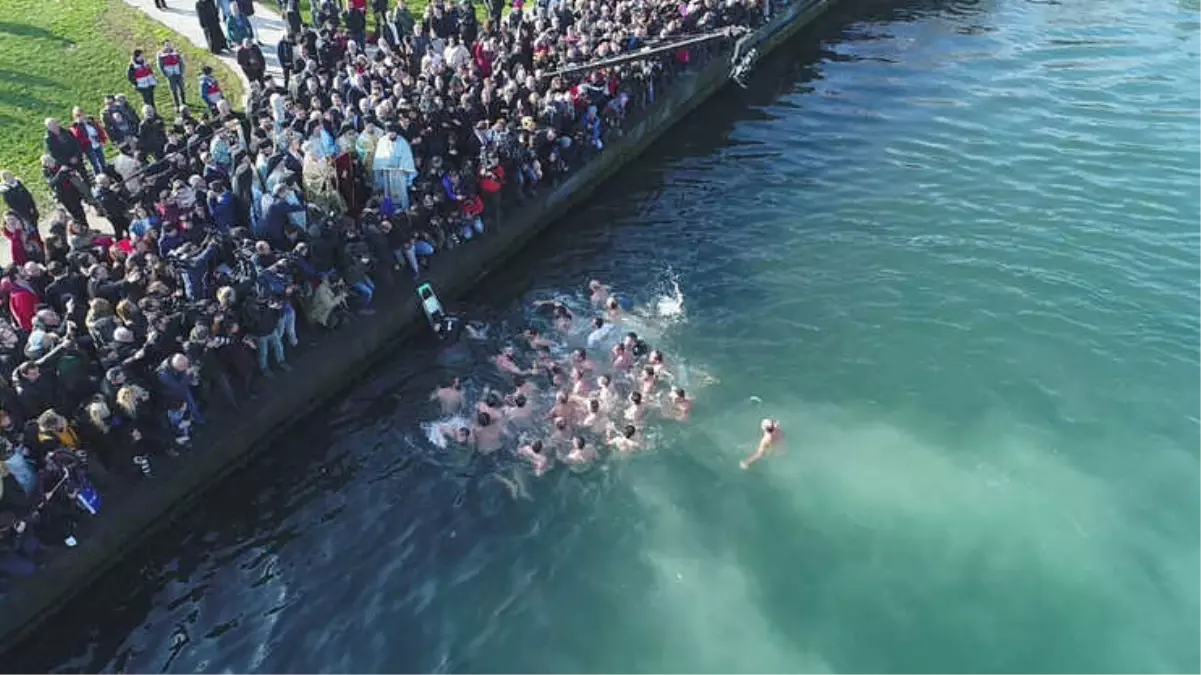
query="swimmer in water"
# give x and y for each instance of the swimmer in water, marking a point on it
(626, 441)
(635, 345)
(557, 378)
(648, 381)
(581, 454)
(595, 420)
(606, 393)
(613, 310)
(597, 293)
(656, 361)
(518, 411)
(563, 408)
(487, 433)
(622, 359)
(533, 452)
(678, 405)
(492, 404)
(450, 397)
(560, 433)
(772, 434)
(506, 362)
(635, 412)
(460, 436)
(600, 331)
(580, 360)
(563, 319)
(580, 384)
(535, 339)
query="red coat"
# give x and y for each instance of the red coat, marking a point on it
(81, 134)
(360, 5)
(20, 242)
(23, 304)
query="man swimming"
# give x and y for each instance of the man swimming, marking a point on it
(487, 433)
(564, 407)
(600, 331)
(580, 384)
(635, 412)
(622, 359)
(459, 436)
(635, 345)
(517, 411)
(535, 339)
(597, 293)
(648, 381)
(626, 441)
(533, 453)
(580, 360)
(581, 454)
(450, 397)
(678, 405)
(606, 393)
(772, 434)
(506, 362)
(595, 421)
(613, 310)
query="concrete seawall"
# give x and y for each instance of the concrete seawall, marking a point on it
(338, 360)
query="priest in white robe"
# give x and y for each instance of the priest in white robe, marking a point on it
(393, 168)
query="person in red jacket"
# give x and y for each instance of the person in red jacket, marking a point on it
(24, 243)
(22, 299)
(91, 138)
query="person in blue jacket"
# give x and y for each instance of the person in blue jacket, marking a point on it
(223, 207)
(271, 227)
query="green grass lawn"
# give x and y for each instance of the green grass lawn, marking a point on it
(56, 54)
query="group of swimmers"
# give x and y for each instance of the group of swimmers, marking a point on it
(598, 401)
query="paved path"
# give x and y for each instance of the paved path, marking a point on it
(180, 16)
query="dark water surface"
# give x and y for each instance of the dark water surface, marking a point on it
(952, 246)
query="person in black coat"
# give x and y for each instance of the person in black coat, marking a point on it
(210, 25)
(68, 187)
(17, 197)
(153, 135)
(62, 146)
(285, 51)
(113, 203)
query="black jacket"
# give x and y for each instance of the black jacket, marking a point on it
(63, 147)
(18, 198)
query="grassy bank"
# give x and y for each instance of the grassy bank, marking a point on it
(56, 54)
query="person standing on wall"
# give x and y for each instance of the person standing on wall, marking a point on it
(141, 76)
(170, 62)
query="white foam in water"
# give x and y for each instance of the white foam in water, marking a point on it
(433, 429)
(671, 306)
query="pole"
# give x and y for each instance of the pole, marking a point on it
(646, 53)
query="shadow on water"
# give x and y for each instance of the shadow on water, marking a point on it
(289, 489)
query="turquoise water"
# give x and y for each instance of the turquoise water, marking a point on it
(953, 247)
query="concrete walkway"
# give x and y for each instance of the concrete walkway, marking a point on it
(180, 16)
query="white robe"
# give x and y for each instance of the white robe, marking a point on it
(394, 169)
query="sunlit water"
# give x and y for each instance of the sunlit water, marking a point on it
(953, 247)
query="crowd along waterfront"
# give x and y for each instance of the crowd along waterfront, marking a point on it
(331, 363)
(952, 247)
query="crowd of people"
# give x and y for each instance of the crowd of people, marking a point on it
(235, 231)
